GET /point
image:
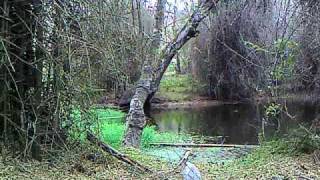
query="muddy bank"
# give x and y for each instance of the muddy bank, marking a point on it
(189, 104)
(302, 98)
(160, 102)
(202, 101)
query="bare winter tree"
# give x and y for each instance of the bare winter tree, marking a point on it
(308, 66)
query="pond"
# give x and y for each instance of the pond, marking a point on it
(238, 123)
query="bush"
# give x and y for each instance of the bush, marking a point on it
(298, 141)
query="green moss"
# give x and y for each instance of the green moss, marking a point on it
(109, 125)
(150, 135)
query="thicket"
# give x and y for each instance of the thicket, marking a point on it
(309, 56)
(252, 46)
(56, 56)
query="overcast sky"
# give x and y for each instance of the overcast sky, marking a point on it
(181, 4)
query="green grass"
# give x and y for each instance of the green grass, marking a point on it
(179, 87)
(177, 83)
(271, 159)
(109, 125)
(113, 133)
(278, 157)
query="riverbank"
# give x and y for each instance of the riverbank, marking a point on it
(203, 101)
(195, 103)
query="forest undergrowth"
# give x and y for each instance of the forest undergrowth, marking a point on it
(87, 162)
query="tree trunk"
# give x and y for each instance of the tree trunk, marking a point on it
(174, 28)
(136, 113)
(178, 65)
(148, 85)
(159, 17)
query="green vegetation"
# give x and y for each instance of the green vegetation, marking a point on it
(272, 113)
(179, 87)
(280, 157)
(298, 141)
(109, 125)
(266, 162)
(286, 50)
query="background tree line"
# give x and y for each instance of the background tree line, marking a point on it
(267, 46)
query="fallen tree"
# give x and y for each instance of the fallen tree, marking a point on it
(203, 145)
(150, 77)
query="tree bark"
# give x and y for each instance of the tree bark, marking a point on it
(174, 28)
(150, 79)
(159, 17)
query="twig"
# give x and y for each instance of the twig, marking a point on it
(316, 157)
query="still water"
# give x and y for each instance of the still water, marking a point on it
(239, 123)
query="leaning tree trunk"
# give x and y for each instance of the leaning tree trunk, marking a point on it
(136, 113)
(148, 84)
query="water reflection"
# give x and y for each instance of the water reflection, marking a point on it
(241, 123)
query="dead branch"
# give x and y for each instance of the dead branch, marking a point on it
(203, 145)
(122, 157)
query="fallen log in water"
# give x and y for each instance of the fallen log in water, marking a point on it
(203, 145)
(122, 157)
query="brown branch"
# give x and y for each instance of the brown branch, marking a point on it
(316, 157)
(203, 145)
(122, 157)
